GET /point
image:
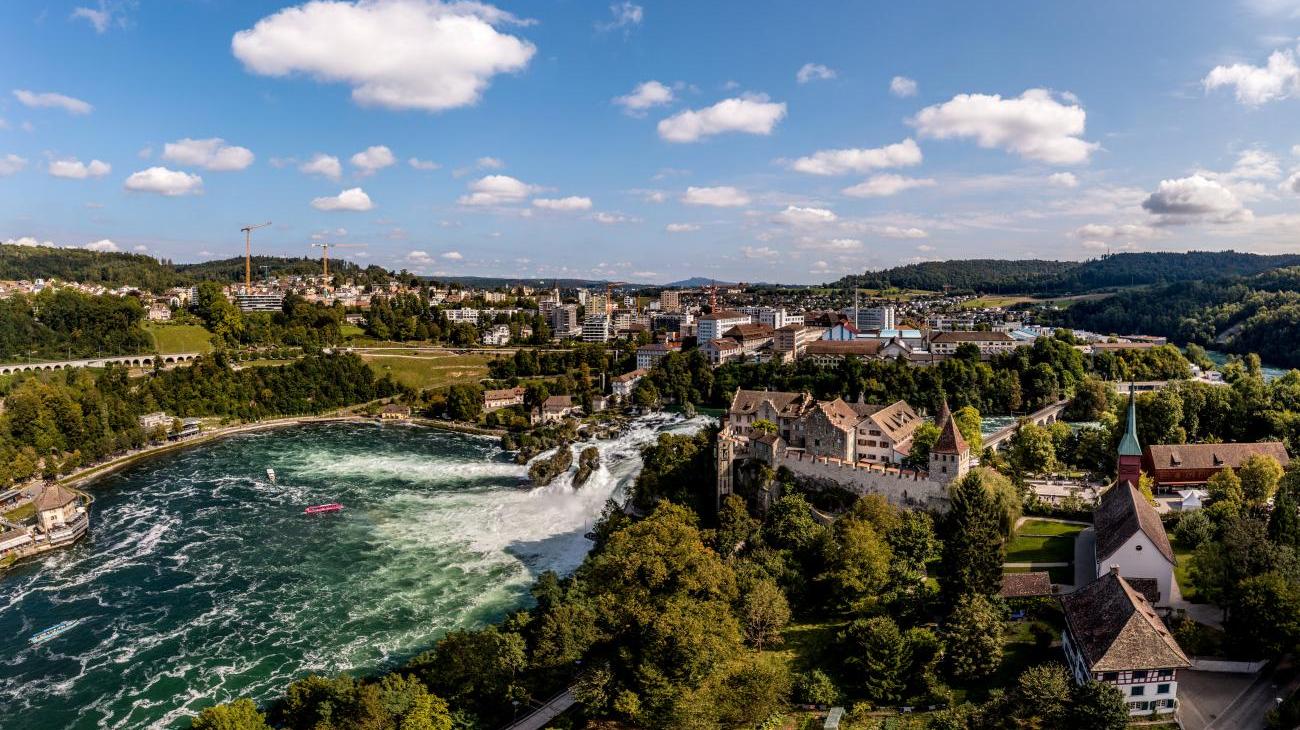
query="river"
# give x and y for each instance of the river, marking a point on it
(201, 581)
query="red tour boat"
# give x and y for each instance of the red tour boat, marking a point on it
(318, 509)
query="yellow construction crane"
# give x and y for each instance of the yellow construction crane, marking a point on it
(248, 252)
(325, 250)
(609, 299)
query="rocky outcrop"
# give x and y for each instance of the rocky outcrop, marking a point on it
(588, 461)
(544, 471)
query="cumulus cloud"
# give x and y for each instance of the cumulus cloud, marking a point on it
(681, 227)
(843, 161)
(399, 54)
(814, 72)
(51, 100)
(1278, 79)
(323, 165)
(29, 242)
(104, 15)
(754, 114)
(489, 163)
(1256, 164)
(1034, 125)
(1063, 180)
(902, 232)
(613, 219)
(798, 216)
(880, 186)
(163, 181)
(210, 154)
(901, 86)
(77, 170)
(760, 252)
(625, 15)
(419, 258)
(1195, 199)
(352, 199)
(11, 164)
(497, 190)
(573, 202)
(425, 165)
(644, 96)
(723, 196)
(1291, 184)
(372, 159)
(1102, 231)
(103, 246)
(452, 256)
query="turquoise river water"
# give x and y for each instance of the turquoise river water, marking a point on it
(201, 581)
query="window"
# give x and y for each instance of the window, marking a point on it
(1139, 674)
(1162, 689)
(1137, 548)
(1165, 673)
(1138, 690)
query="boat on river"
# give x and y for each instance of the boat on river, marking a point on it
(54, 631)
(321, 508)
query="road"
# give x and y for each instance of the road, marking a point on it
(1214, 701)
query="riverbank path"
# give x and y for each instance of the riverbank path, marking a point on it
(547, 712)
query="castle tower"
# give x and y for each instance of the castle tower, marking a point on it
(1130, 451)
(950, 457)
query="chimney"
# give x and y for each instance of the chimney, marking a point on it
(1114, 570)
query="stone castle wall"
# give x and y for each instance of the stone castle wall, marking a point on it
(903, 488)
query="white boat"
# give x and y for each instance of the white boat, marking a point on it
(54, 631)
(270, 474)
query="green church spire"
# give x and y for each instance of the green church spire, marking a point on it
(1129, 446)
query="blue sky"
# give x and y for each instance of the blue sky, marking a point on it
(651, 141)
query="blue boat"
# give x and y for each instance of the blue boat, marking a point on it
(54, 631)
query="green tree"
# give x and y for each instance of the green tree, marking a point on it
(1041, 697)
(764, 613)
(968, 423)
(477, 670)
(1097, 706)
(857, 560)
(924, 438)
(764, 426)
(973, 549)
(1032, 450)
(240, 714)
(1193, 529)
(876, 652)
(973, 637)
(1225, 485)
(1259, 476)
(1264, 617)
(465, 402)
(815, 687)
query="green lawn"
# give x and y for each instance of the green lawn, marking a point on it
(351, 330)
(173, 338)
(430, 371)
(1041, 541)
(21, 513)
(993, 301)
(1182, 572)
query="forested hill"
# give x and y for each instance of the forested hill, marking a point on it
(1259, 314)
(1034, 276)
(148, 273)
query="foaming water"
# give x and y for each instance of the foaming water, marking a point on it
(201, 581)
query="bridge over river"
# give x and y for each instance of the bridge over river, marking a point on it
(1043, 416)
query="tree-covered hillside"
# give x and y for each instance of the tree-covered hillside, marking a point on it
(1032, 276)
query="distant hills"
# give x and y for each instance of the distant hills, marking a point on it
(1036, 276)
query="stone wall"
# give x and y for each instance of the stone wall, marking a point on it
(904, 488)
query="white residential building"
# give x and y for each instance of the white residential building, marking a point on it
(713, 326)
(595, 328)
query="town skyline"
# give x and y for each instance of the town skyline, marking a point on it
(648, 143)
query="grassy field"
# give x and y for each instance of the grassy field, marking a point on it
(422, 371)
(351, 330)
(22, 513)
(1182, 572)
(172, 338)
(1041, 541)
(993, 301)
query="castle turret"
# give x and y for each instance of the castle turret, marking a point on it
(950, 456)
(1130, 451)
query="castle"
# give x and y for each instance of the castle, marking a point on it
(854, 446)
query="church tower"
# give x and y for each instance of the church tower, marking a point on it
(950, 456)
(1130, 451)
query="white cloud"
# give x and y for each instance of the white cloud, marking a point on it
(419, 258)
(1102, 231)
(489, 163)
(613, 219)
(625, 15)
(399, 54)
(11, 164)
(573, 202)
(840, 162)
(644, 96)
(1256, 164)
(163, 181)
(104, 15)
(49, 99)
(901, 86)
(814, 72)
(372, 159)
(1034, 125)
(140, 248)
(103, 246)
(1291, 184)
(820, 267)
(887, 184)
(1195, 199)
(1278, 79)
(1063, 180)
(29, 242)
(425, 165)
(723, 196)
(681, 227)
(352, 199)
(210, 154)
(902, 232)
(761, 252)
(77, 170)
(323, 165)
(452, 256)
(497, 190)
(750, 115)
(798, 216)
